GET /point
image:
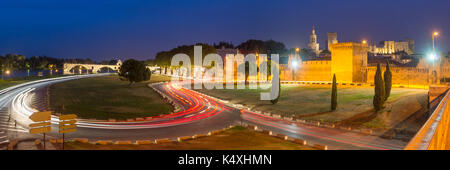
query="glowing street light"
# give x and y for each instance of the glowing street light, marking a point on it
(432, 57)
(364, 41)
(8, 72)
(294, 63)
(435, 34)
(297, 49)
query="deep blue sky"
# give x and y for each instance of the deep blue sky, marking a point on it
(139, 29)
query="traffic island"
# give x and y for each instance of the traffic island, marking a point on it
(234, 138)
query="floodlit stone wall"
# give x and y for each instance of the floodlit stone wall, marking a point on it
(308, 71)
(405, 76)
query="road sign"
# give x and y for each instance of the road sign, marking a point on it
(67, 130)
(67, 126)
(40, 130)
(39, 124)
(67, 122)
(67, 117)
(41, 116)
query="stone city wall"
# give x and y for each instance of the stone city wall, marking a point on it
(405, 76)
(308, 71)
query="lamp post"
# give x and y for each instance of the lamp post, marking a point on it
(435, 57)
(435, 34)
(364, 42)
(294, 64)
(7, 72)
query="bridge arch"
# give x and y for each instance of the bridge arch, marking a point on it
(68, 68)
(110, 67)
(94, 68)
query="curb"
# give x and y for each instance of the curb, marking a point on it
(123, 142)
(104, 142)
(196, 136)
(321, 147)
(184, 138)
(164, 140)
(82, 140)
(285, 137)
(143, 142)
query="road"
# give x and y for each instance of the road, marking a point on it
(200, 114)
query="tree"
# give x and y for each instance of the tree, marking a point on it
(378, 99)
(275, 101)
(334, 94)
(164, 58)
(306, 53)
(257, 46)
(51, 67)
(223, 44)
(387, 81)
(247, 67)
(27, 66)
(134, 71)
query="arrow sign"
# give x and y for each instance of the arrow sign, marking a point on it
(41, 116)
(67, 122)
(39, 124)
(67, 117)
(40, 130)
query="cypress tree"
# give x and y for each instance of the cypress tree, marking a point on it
(378, 99)
(387, 81)
(274, 101)
(334, 94)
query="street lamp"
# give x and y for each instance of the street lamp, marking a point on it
(435, 34)
(432, 57)
(297, 49)
(294, 64)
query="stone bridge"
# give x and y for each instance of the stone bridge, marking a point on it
(95, 68)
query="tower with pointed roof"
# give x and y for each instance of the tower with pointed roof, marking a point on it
(313, 45)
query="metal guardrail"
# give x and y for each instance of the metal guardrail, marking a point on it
(434, 133)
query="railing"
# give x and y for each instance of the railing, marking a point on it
(434, 133)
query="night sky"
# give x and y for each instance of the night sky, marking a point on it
(112, 29)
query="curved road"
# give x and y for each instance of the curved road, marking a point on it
(200, 114)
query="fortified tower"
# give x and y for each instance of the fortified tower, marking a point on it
(348, 61)
(332, 39)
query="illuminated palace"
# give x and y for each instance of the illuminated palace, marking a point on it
(355, 62)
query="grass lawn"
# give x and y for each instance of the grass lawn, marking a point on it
(236, 138)
(8, 83)
(12, 82)
(313, 102)
(108, 97)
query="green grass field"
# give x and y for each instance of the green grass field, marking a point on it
(8, 83)
(107, 97)
(11, 82)
(313, 102)
(236, 138)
